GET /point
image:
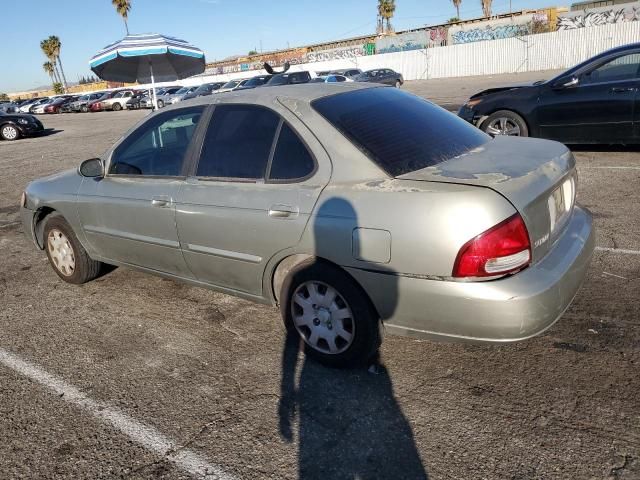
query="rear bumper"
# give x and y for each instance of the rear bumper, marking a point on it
(505, 310)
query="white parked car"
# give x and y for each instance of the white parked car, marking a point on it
(232, 85)
(118, 101)
(26, 108)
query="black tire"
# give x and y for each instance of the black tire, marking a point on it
(364, 321)
(9, 132)
(160, 103)
(512, 117)
(85, 269)
(398, 83)
(116, 107)
(84, 109)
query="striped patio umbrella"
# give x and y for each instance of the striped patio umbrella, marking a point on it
(148, 58)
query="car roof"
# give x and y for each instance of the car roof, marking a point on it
(306, 92)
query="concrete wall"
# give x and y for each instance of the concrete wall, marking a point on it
(545, 51)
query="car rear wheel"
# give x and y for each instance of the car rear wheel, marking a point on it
(398, 84)
(9, 132)
(116, 107)
(160, 104)
(505, 122)
(331, 314)
(66, 255)
(84, 109)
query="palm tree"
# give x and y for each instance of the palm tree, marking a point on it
(47, 49)
(386, 9)
(48, 67)
(56, 46)
(486, 7)
(456, 3)
(123, 7)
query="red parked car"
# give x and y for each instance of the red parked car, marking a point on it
(96, 106)
(58, 103)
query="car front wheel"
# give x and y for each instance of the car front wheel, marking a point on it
(116, 107)
(331, 314)
(9, 132)
(505, 122)
(160, 104)
(66, 255)
(398, 84)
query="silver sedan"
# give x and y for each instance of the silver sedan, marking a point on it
(351, 206)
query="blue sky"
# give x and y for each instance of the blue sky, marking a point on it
(220, 27)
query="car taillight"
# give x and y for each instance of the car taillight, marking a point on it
(502, 249)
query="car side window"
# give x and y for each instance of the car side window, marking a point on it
(158, 147)
(238, 142)
(625, 67)
(291, 159)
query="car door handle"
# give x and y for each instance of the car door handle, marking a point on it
(622, 89)
(282, 211)
(161, 201)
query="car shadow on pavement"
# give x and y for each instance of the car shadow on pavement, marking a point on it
(349, 423)
(48, 132)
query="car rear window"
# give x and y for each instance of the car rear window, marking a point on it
(400, 132)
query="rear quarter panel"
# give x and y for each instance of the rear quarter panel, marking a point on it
(410, 227)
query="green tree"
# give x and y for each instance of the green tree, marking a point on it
(123, 7)
(58, 88)
(252, 52)
(48, 67)
(456, 3)
(56, 46)
(486, 7)
(386, 9)
(47, 49)
(453, 20)
(4, 97)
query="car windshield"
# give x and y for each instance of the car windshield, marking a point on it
(84, 97)
(104, 96)
(182, 90)
(400, 132)
(231, 84)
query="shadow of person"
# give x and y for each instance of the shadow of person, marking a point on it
(349, 423)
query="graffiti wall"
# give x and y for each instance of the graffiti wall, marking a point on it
(335, 54)
(493, 29)
(403, 42)
(599, 16)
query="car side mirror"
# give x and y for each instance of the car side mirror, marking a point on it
(92, 168)
(566, 82)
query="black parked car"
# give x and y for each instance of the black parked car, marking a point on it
(288, 78)
(204, 90)
(381, 75)
(593, 102)
(16, 125)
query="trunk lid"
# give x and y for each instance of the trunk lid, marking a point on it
(537, 176)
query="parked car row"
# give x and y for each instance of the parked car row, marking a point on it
(136, 98)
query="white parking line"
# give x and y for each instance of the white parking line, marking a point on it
(146, 436)
(618, 250)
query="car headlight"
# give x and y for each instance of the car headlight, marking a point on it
(23, 121)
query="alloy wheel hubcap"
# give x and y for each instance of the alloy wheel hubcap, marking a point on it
(503, 126)
(322, 317)
(61, 252)
(9, 132)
